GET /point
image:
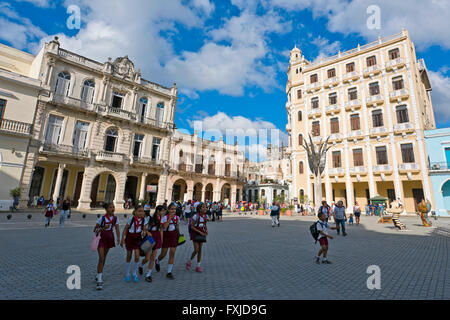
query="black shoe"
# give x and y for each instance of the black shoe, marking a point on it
(344, 234)
(326, 262)
(157, 267)
(170, 276)
(148, 279)
(141, 271)
(318, 260)
(278, 224)
(338, 233)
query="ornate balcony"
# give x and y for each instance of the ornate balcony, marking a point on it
(15, 127)
(333, 109)
(336, 171)
(374, 100)
(331, 82)
(350, 76)
(106, 156)
(385, 168)
(399, 94)
(358, 170)
(378, 131)
(355, 134)
(185, 167)
(313, 86)
(315, 112)
(403, 127)
(158, 124)
(408, 167)
(395, 64)
(335, 137)
(439, 167)
(372, 70)
(146, 161)
(353, 104)
(116, 113)
(64, 150)
(73, 102)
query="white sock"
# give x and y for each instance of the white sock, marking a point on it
(169, 269)
(128, 267)
(198, 264)
(324, 259)
(149, 273)
(157, 261)
(99, 277)
(136, 266)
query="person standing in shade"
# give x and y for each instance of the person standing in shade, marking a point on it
(340, 217)
(65, 211)
(357, 212)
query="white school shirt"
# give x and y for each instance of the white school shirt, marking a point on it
(133, 227)
(202, 220)
(172, 226)
(322, 226)
(187, 208)
(108, 226)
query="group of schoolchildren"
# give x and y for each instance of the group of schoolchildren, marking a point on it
(162, 230)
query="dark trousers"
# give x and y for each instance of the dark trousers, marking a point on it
(339, 223)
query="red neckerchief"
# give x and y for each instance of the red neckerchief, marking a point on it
(137, 224)
(110, 221)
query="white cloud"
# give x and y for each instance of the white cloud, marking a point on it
(18, 31)
(38, 3)
(440, 96)
(205, 6)
(326, 48)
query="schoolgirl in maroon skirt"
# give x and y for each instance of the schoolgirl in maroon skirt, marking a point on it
(155, 229)
(132, 237)
(198, 226)
(171, 225)
(105, 226)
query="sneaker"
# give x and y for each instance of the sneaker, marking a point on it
(170, 276)
(99, 285)
(157, 267)
(326, 262)
(338, 232)
(199, 269)
(318, 260)
(141, 271)
(128, 278)
(135, 278)
(278, 224)
(188, 265)
(344, 234)
(148, 279)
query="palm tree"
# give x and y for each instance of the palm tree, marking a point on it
(317, 160)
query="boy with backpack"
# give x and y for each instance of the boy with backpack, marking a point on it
(320, 234)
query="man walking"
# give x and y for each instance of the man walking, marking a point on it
(340, 217)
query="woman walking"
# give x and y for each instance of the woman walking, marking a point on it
(65, 211)
(275, 214)
(171, 225)
(105, 226)
(188, 211)
(132, 237)
(198, 234)
(357, 212)
(49, 212)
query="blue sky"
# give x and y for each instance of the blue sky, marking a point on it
(229, 58)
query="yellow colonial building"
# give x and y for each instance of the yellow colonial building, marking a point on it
(19, 89)
(373, 102)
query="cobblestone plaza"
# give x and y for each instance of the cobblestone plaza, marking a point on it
(244, 258)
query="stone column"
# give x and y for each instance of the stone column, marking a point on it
(162, 193)
(190, 193)
(143, 185)
(85, 195)
(121, 179)
(58, 182)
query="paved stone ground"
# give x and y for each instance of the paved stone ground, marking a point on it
(244, 258)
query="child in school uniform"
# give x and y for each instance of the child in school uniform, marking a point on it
(154, 229)
(322, 226)
(198, 225)
(49, 212)
(104, 227)
(171, 225)
(132, 237)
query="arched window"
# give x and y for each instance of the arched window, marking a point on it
(87, 94)
(300, 139)
(111, 140)
(143, 103)
(62, 84)
(300, 167)
(299, 116)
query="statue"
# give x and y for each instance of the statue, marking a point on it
(317, 160)
(395, 210)
(423, 212)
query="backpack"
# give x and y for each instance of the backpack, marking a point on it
(102, 224)
(314, 232)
